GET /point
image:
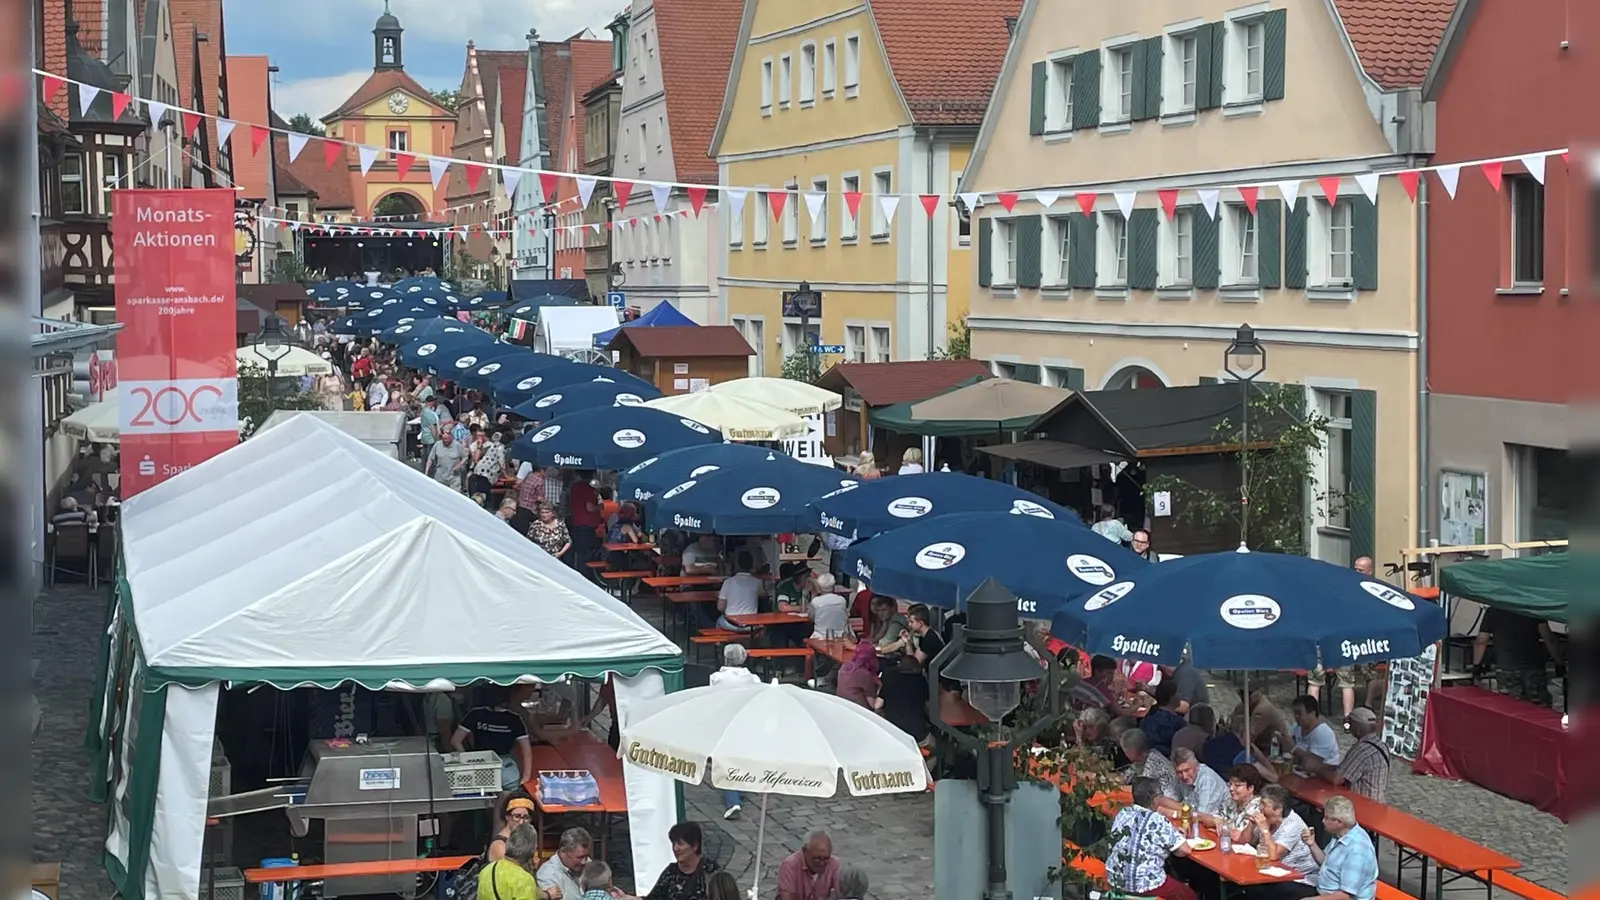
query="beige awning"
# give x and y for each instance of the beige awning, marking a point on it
(995, 399)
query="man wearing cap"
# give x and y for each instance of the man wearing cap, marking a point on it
(733, 674)
(1365, 766)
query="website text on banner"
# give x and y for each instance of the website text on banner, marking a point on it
(178, 394)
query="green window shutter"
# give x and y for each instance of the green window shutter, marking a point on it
(1081, 264)
(1086, 90)
(1363, 243)
(1294, 245)
(1276, 31)
(1029, 267)
(985, 263)
(1218, 39)
(1209, 379)
(1074, 379)
(1143, 244)
(1036, 109)
(1026, 373)
(1204, 49)
(1363, 472)
(1207, 262)
(1139, 110)
(1269, 243)
(1152, 77)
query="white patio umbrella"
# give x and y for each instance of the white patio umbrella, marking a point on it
(796, 396)
(96, 422)
(773, 739)
(737, 418)
(296, 363)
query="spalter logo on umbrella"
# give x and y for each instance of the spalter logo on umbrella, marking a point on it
(692, 425)
(863, 571)
(490, 369)
(910, 507)
(1250, 611)
(1389, 595)
(644, 465)
(849, 487)
(466, 362)
(427, 349)
(1091, 569)
(374, 312)
(678, 490)
(528, 384)
(1030, 508)
(402, 329)
(376, 295)
(629, 400)
(408, 320)
(544, 402)
(546, 433)
(940, 556)
(628, 439)
(761, 498)
(1107, 596)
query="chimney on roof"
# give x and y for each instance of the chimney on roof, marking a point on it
(1011, 26)
(533, 38)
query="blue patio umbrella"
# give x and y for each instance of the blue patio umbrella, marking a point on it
(939, 560)
(529, 309)
(429, 327)
(333, 292)
(548, 378)
(523, 379)
(379, 319)
(570, 398)
(489, 300)
(462, 366)
(366, 297)
(766, 497)
(1246, 610)
(650, 477)
(425, 352)
(884, 504)
(612, 437)
(422, 282)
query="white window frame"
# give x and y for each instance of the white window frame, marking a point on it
(399, 146)
(1176, 245)
(882, 335)
(80, 179)
(644, 144)
(791, 215)
(1239, 225)
(1003, 261)
(1054, 374)
(794, 334)
(1243, 78)
(736, 226)
(830, 67)
(664, 240)
(1321, 223)
(1327, 402)
(855, 341)
(852, 64)
(766, 86)
(1113, 112)
(880, 223)
(1180, 78)
(958, 241)
(661, 132)
(1516, 185)
(1057, 250)
(819, 222)
(763, 222)
(109, 178)
(785, 79)
(757, 338)
(1058, 91)
(849, 226)
(808, 73)
(1111, 235)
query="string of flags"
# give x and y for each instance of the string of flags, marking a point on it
(493, 229)
(661, 192)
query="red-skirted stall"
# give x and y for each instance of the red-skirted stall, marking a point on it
(1506, 745)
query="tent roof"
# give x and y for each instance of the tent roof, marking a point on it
(305, 557)
(1534, 586)
(661, 314)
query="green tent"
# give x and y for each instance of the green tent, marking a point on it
(897, 417)
(1534, 586)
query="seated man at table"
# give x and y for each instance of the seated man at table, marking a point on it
(830, 611)
(740, 595)
(702, 557)
(1146, 762)
(1137, 863)
(1164, 721)
(1198, 785)
(1313, 738)
(1349, 863)
(1365, 767)
(561, 871)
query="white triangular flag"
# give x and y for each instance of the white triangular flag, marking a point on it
(158, 111)
(1125, 200)
(369, 155)
(621, 224)
(1047, 199)
(1290, 191)
(1450, 176)
(224, 131)
(972, 199)
(595, 226)
(735, 200)
(1208, 199)
(297, 142)
(814, 201)
(1534, 163)
(585, 191)
(661, 193)
(889, 203)
(436, 169)
(509, 177)
(1368, 182)
(86, 97)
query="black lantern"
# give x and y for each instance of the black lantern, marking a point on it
(1245, 359)
(272, 344)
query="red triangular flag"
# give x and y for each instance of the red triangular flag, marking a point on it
(474, 175)
(1330, 188)
(1491, 170)
(1086, 202)
(1408, 180)
(258, 136)
(1169, 201)
(1249, 194)
(1564, 157)
(50, 86)
(403, 163)
(547, 184)
(775, 199)
(1008, 202)
(622, 190)
(697, 198)
(930, 202)
(191, 122)
(330, 153)
(852, 202)
(119, 104)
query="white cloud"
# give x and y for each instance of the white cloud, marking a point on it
(316, 97)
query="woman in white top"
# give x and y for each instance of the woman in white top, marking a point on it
(733, 674)
(911, 463)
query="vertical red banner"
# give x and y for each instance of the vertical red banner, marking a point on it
(178, 390)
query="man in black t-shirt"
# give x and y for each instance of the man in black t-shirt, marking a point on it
(1521, 645)
(926, 640)
(500, 730)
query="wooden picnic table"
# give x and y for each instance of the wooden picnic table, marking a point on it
(347, 870)
(581, 751)
(629, 548)
(768, 620)
(673, 582)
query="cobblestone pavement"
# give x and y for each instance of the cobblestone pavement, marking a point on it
(891, 838)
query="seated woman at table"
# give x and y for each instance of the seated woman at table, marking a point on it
(513, 808)
(1282, 839)
(903, 691)
(1137, 863)
(858, 679)
(688, 875)
(622, 526)
(1239, 812)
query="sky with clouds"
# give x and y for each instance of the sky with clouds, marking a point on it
(324, 47)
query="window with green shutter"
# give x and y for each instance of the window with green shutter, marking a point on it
(1073, 380)
(1023, 372)
(1029, 260)
(1144, 230)
(985, 251)
(1363, 243)
(1275, 24)
(1081, 264)
(1208, 72)
(1147, 79)
(1294, 245)
(1041, 84)
(1269, 243)
(1207, 260)
(1086, 90)
(1363, 472)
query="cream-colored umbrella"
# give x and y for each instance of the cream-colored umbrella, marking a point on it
(96, 422)
(297, 362)
(796, 396)
(738, 419)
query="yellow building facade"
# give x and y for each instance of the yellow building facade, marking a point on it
(827, 100)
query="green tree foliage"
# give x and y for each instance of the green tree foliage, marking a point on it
(259, 396)
(306, 125)
(802, 366)
(449, 99)
(959, 344)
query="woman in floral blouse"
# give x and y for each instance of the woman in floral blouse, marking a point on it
(1243, 805)
(550, 533)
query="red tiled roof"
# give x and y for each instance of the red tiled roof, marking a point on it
(945, 73)
(591, 61)
(288, 183)
(204, 17)
(683, 341)
(381, 83)
(606, 80)
(1395, 39)
(86, 14)
(883, 384)
(247, 91)
(555, 69)
(54, 26)
(513, 90)
(333, 188)
(695, 41)
(490, 64)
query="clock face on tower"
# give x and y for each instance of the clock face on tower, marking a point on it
(399, 103)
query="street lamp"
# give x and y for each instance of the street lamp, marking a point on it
(989, 657)
(1245, 359)
(272, 345)
(805, 303)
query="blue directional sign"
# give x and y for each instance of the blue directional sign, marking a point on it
(831, 349)
(617, 299)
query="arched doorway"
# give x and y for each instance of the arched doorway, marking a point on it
(1134, 378)
(398, 203)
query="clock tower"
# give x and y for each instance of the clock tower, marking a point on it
(386, 41)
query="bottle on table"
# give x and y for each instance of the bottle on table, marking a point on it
(1224, 837)
(1183, 817)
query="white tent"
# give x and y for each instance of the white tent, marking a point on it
(304, 557)
(96, 422)
(298, 361)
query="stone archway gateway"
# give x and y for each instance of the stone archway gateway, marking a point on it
(398, 203)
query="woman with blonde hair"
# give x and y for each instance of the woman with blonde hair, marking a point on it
(867, 466)
(911, 463)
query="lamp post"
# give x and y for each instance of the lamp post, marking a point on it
(805, 303)
(272, 345)
(989, 658)
(1245, 359)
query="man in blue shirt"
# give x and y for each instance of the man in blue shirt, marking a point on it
(1349, 864)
